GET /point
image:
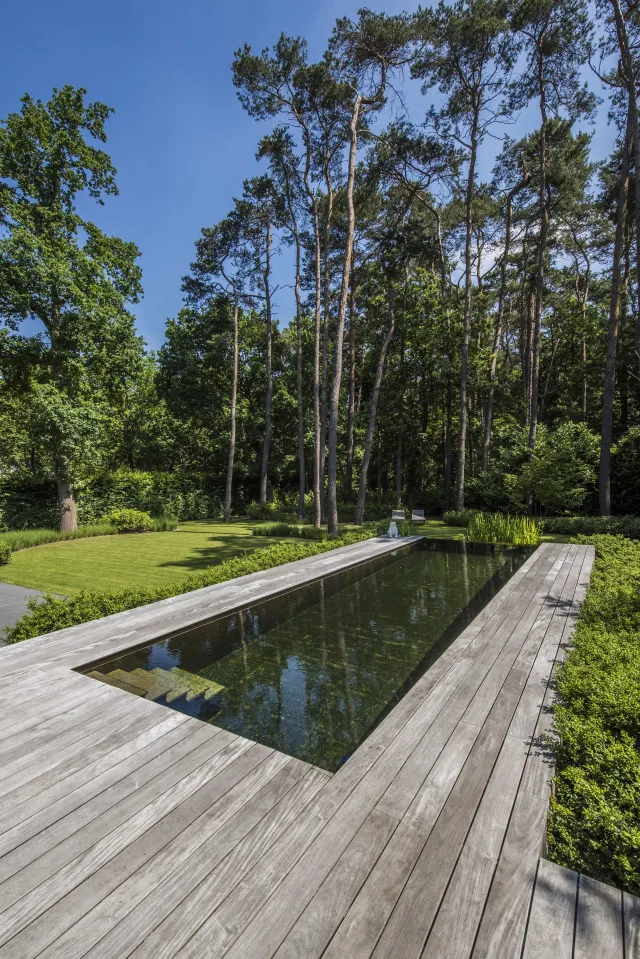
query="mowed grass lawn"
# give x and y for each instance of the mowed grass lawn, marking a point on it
(131, 560)
(149, 559)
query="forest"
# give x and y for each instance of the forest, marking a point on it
(466, 329)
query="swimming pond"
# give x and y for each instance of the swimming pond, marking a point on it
(313, 671)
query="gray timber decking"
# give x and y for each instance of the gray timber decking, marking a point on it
(130, 830)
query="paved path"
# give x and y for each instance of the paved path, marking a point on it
(127, 829)
(13, 603)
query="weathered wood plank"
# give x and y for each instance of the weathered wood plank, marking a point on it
(553, 909)
(599, 930)
(631, 915)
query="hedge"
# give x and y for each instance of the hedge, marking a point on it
(52, 613)
(592, 525)
(594, 824)
(30, 504)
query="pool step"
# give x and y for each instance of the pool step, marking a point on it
(156, 683)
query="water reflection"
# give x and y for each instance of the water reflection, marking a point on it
(312, 672)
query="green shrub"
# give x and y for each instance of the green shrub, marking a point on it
(5, 552)
(594, 823)
(130, 521)
(562, 472)
(459, 517)
(592, 525)
(503, 528)
(51, 613)
(290, 529)
(25, 538)
(28, 504)
(164, 524)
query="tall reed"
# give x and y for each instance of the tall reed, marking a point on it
(502, 528)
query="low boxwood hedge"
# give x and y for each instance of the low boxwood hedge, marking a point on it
(594, 824)
(52, 613)
(592, 525)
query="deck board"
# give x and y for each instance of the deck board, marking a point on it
(128, 830)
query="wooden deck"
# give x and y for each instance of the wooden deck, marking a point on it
(127, 829)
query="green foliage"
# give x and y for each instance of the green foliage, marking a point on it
(5, 552)
(66, 274)
(52, 614)
(130, 521)
(27, 504)
(25, 538)
(625, 469)
(592, 525)
(594, 824)
(290, 529)
(458, 517)
(562, 471)
(503, 528)
(164, 524)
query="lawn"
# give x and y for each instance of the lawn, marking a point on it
(150, 559)
(137, 560)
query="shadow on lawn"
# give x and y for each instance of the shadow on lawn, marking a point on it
(204, 557)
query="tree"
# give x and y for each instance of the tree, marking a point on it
(555, 37)
(363, 54)
(63, 271)
(469, 55)
(220, 268)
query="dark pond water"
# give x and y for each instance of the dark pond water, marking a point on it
(312, 672)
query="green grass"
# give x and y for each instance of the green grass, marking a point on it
(136, 560)
(142, 560)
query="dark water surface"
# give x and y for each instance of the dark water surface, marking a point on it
(312, 672)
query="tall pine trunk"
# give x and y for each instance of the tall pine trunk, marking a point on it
(364, 469)
(466, 328)
(264, 472)
(542, 253)
(334, 405)
(351, 415)
(228, 491)
(301, 462)
(488, 416)
(326, 296)
(606, 435)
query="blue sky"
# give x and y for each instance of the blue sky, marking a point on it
(179, 138)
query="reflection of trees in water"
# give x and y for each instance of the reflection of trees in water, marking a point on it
(311, 673)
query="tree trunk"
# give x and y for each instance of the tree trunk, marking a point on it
(448, 447)
(398, 496)
(232, 433)
(68, 517)
(542, 252)
(488, 416)
(264, 473)
(466, 329)
(364, 469)
(301, 463)
(334, 407)
(631, 81)
(325, 337)
(348, 481)
(606, 435)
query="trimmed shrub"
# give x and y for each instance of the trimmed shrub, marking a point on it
(164, 524)
(130, 521)
(594, 823)
(502, 528)
(290, 529)
(5, 552)
(51, 613)
(592, 525)
(459, 517)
